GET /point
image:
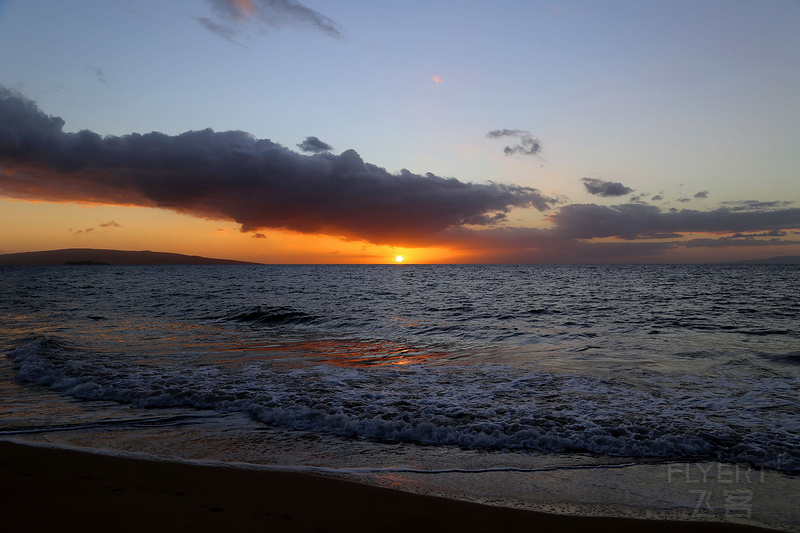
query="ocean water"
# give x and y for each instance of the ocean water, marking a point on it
(662, 391)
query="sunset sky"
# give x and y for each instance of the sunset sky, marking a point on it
(353, 131)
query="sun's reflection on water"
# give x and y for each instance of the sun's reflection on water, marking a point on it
(345, 353)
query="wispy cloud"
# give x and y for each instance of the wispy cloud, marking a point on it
(226, 32)
(233, 175)
(233, 17)
(86, 231)
(728, 242)
(755, 205)
(81, 231)
(99, 74)
(524, 245)
(528, 144)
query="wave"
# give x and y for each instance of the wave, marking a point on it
(787, 358)
(153, 421)
(486, 406)
(272, 316)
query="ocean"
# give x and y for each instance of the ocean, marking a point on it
(660, 391)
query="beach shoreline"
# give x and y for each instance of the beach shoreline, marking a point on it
(48, 489)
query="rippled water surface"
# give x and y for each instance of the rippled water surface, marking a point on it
(534, 365)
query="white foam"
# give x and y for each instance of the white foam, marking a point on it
(733, 419)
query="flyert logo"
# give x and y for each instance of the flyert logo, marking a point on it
(695, 473)
(715, 486)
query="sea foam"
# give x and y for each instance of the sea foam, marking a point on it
(735, 419)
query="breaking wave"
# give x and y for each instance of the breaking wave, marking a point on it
(484, 406)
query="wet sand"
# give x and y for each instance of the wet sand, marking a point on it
(49, 489)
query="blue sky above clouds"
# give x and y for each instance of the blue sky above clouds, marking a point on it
(665, 99)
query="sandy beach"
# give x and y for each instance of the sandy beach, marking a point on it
(48, 489)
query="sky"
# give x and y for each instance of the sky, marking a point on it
(349, 131)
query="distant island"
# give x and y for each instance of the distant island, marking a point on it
(91, 256)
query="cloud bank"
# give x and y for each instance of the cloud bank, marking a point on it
(233, 175)
(591, 233)
(233, 16)
(755, 205)
(637, 221)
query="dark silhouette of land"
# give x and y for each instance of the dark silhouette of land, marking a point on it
(91, 256)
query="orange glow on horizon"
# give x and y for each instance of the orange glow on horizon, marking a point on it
(37, 225)
(31, 226)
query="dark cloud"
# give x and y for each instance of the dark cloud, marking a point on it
(637, 199)
(657, 198)
(110, 224)
(701, 194)
(528, 145)
(570, 239)
(494, 134)
(605, 188)
(235, 15)
(636, 221)
(259, 236)
(755, 205)
(233, 175)
(726, 242)
(771, 233)
(533, 245)
(684, 200)
(314, 145)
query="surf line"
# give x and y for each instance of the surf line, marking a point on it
(409, 470)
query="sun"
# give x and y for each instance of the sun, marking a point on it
(399, 258)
